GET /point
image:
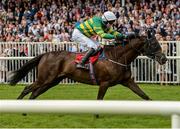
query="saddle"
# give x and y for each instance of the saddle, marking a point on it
(92, 59)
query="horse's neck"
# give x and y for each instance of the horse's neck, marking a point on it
(124, 54)
(133, 50)
(114, 52)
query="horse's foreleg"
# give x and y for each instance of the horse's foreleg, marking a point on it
(101, 93)
(136, 89)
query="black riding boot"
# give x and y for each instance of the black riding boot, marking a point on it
(85, 58)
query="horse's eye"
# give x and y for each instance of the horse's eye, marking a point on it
(153, 44)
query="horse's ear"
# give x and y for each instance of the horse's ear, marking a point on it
(153, 32)
(148, 33)
(137, 34)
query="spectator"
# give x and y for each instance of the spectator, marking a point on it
(37, 18)
(64, 35)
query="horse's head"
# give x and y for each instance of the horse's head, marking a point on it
(152, 48)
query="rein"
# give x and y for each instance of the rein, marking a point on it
(118, 63)
(124, 65)
(138, 51)
(115, 62)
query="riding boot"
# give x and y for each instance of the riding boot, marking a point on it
(85, 58)
(99, 49)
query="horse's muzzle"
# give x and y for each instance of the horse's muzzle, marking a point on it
(161, 58)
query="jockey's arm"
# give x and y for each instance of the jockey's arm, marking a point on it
(112, 34)
(99, 31)
(116, 33)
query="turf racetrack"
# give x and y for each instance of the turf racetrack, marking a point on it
(85, 92)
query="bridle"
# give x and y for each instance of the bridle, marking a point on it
(152, 54)
(148, 53)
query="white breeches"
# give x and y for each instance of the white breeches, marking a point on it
(83, 40)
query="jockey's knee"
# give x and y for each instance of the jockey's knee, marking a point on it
(97, 50)
(95, 47)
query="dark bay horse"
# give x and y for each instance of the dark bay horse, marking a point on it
(55, 66)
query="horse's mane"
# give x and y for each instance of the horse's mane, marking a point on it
(113, 51)
(116, 51)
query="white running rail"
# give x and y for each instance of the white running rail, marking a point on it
(171, 108)
(144, 70)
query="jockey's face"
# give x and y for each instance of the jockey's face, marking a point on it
(109, 24)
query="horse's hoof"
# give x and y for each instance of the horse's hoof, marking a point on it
(96, 116)
(24, 114)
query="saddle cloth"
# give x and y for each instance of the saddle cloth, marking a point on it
(91, 60)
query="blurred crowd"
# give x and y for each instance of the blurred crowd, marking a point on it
(54, 20)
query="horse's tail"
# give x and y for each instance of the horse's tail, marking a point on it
(17, 75)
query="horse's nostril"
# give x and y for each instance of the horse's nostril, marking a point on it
(164, 59)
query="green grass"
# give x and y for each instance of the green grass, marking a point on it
(83, 92)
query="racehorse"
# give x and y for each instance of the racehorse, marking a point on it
(55, 66)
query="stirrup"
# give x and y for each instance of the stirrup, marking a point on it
(80, 66)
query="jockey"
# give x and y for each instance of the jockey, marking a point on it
(101, 26)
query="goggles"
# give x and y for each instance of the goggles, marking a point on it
(109, 22)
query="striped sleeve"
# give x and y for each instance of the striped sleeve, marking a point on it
(102, 34)
(115, 33)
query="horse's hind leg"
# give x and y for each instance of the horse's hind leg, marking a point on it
(135, 88)
(26, 90)
(44, 87)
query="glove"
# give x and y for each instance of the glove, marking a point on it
(130, 35)
(125, 36)
(119, 38)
